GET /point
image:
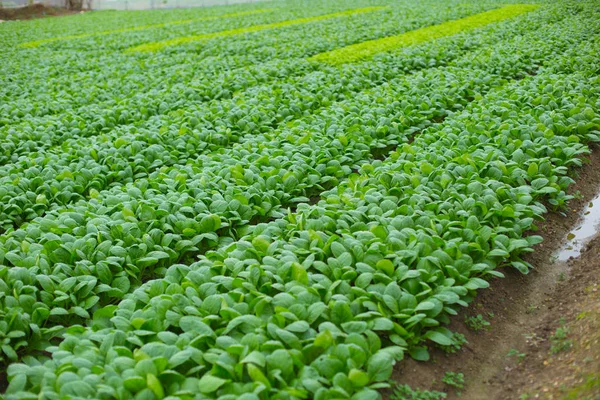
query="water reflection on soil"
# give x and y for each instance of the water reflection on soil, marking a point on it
(583, 232)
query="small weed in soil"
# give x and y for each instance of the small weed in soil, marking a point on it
(458, 341)
(454, 379)
(560, 341)
(516, 353)
(477, 323)
(405, 392)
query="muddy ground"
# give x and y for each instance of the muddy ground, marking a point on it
(544, 335)
(33, 11)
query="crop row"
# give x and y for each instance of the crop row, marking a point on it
(255, 246)
(129, 235)
(320, 303)
(96, 22)
(167, 92)
(154, 46)
(184, 213)
(371, 47)
(71, 172)
(37, 43)
(97, 250)
(96, 72)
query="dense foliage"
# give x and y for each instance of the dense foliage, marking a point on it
(237, 213)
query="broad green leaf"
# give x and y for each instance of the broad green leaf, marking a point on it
(379, 366)
(209, 383)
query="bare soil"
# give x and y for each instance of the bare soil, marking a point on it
(562, 358)
(525, 312)
(33, 11)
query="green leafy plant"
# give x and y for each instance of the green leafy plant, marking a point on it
(228, 219)
(458, 341)
(238, 31)
(454, 379)
(405, 392)
(517, 354)
(559, 340)
(477, 323)
(369, 48)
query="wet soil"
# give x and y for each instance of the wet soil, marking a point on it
(33, 11)
(562, 354)
(524, 312)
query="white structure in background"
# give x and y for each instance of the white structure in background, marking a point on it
(152, 4)
(23, 3)
(128, 4)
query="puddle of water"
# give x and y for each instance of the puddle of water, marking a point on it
(583, 232)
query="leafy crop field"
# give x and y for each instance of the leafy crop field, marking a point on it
(276, 200)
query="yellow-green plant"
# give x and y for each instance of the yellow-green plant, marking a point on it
(232, 32)
(369, 48)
